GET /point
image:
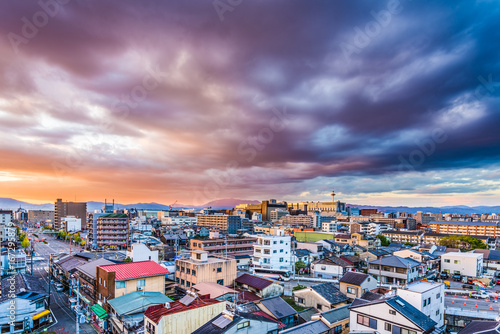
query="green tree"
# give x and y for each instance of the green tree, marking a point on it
(463, 242)
(299, 265)
(128, 259)
(25, 243)
(383, 240)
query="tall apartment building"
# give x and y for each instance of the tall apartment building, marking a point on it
(224, 223)
(273, 252)
(278, 214)
(201, 268)
(298, 220)
(37, 216)
(112, 230)
(233, 246)
(466, 228)
(5, 220)
(64, 209)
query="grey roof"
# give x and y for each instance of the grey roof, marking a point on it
(396, 261)
(211, 327)
(137, 302)
(368, 295)
(311, 327)
(248, 308)
(278, 307)
(354, 278)
(302, 252)
(379, 252)
(23, 283)
(89, 269)
(412, 313)
(336, 314)
(481, 326)
(330, 293)
(308, 313)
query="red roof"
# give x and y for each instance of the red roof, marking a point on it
(155, 313)
(131, 270)
(264, 314)
(254, 281)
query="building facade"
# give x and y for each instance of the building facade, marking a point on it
(113, 231)
(273, 252)
(64, 209)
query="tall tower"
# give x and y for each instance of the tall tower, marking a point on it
(333, 195)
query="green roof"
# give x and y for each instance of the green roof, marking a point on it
(114, 215)
(137, 301)
(99, 311)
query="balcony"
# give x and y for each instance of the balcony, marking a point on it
(376, 272)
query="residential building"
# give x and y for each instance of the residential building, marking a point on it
(65, 209)
(140, 252)
(322, 297)
(112, 231)
(71, 224)
(467, 264)
(490, 229)
(23, 306)
(316, 327)
(336, 319)
(223, 223)
(331, 267)
(297, 220)
(41, 216)
(126, 313)
(377, 228)
(357, 239)
(231, 323)
(200, 268)
(178, 220)
(259, 286)
(394, 270)
(279, 309)
(273, 252)
(278, 214)
(5, 223)
(412, 237)
(182, 316)
(428, 261)
(86, 274)
(225, 246)
(329, 227)
(303, 255)
(355, 284)
(481, 326)
(427, 297)
(115, 280)
(388, 316)
(315, 248)
(13, 261)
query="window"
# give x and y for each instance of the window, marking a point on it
(40, 304)
(318, 307)
(193, 272)
(281, 259)
(220, 281)
(182, 269)
(188, 284)
(177, 267)
(388, 327)
(352, 290)
(188, 271)
(323, 267)
(437, 312)
(177, 279)
(406, 331)
(141, 283)
(392, 312)
(120, 285)
(437, 295)
(425, 302)
(150, 328)
(275, 251)
(446, 260)
(219, 270)
(182, 282)
(281, 251)
(281, 241)
(104, 283)
(100, 280)
(337, 329)
(366, 321)
(244, 324)
(300, 300)
(429, 301)
(456, 261)
(274, 242)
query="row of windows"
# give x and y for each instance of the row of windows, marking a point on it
(189, 284)
(372, 323)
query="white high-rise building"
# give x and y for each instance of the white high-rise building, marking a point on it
(5, 221)
(273, 252)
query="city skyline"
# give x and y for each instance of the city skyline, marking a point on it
(390, 103)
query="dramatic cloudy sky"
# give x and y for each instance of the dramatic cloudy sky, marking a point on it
(388, 102)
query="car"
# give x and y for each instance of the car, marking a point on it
(443, 275)
(457, 277)
(497, 281)
(59, 287)
(481, 294)
(468, 287)
(432, 277)
(470, 280)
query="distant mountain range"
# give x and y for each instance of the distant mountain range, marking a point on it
(229, 203)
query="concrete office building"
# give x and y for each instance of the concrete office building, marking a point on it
(224, 223)
(38, 216)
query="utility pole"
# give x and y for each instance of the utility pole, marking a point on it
(77, 306)
(50, 276)
(32, 250)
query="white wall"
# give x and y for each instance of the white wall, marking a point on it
(469, 264)
(141, 252)
(279, 248)
(433, 309)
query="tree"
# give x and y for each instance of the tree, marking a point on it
(464, 242)
(383, 240)
(128, 259)
(25, 243)
(299, 265)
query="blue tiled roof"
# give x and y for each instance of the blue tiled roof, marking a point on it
(412, 313)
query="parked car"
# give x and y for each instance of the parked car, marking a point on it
(59, 287)
(481, 294)
(457, 277)
(498, 281)
(443, 275)
(468, 287)
(432, 277)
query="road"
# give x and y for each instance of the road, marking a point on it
(58, 300)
